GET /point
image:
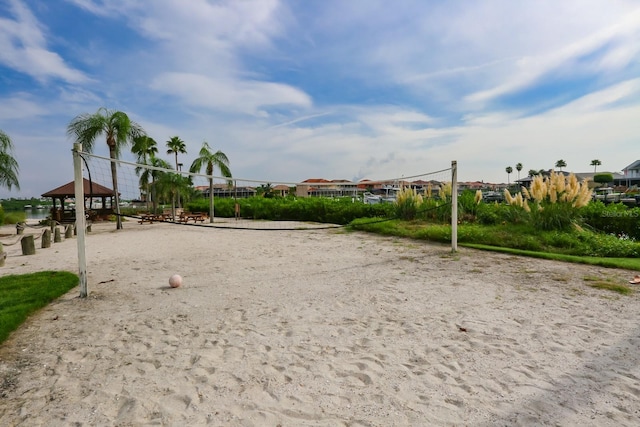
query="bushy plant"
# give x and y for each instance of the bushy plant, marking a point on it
(407, 203)
(500, 213)
(14, 217)
(434, 210)
(613, 218)
(553, 201)
(434, 207)
(316, 209)
(1, 215)
(603, 178)
(468, 203)
(609, 245)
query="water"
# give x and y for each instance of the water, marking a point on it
(35, 214)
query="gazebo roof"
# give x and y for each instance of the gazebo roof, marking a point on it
(68, 190)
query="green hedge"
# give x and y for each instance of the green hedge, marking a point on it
(316, 209)
(613, 218)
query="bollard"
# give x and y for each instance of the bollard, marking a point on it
(28, 245)
(68, 231)
(46, 239)
(20, 228)
(57, 238)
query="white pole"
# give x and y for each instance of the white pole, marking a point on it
(454, 206)
(80, 219)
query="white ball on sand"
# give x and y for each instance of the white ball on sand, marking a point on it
(175, 281)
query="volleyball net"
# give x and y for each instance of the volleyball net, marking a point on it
(149, 193)
(144, 194)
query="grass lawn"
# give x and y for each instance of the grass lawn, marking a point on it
(21, 295)
(572, 246)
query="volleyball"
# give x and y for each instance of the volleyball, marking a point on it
(175, 281)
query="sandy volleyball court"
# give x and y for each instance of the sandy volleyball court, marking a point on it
(318, 328)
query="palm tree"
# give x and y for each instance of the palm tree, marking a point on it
(175, 145)
(119, 131)
(595, 163)
(266, 190)
(518, 168)
(144, 147)
(8, 165)
(532, 173)
(561, 164)
(156, 178)
(209, 160)
(509, 169)
(172, 185)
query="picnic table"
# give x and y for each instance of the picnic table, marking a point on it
(195, 216)
(151, 218)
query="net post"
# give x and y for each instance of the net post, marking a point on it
(80, 218)
(454, 206)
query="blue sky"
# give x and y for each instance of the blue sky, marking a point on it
(333, 89)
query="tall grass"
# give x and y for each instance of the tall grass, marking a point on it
(11, 217)
(553, 201)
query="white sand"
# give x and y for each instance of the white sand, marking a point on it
(318, 328)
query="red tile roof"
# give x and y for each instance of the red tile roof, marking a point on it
(68, 190)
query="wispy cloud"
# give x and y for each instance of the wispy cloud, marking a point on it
(607, 50)
(23, 48)
(21, 106)
(242, 96)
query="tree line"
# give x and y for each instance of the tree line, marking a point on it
(533, 172)
(119, 132)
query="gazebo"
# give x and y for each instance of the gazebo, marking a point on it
(92, 190)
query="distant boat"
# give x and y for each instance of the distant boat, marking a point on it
(27, 206)
(371, 199)
(39, 207)
(607, 195)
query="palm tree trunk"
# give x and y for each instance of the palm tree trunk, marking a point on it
(211, 201)
(114, 180)
(148, 195)
(154, 198)
(173, 204)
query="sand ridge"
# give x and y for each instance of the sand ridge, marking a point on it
(318, 328)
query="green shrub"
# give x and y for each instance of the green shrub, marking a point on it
(554, 216)
(14, 217)
(614, 218)
(603, 178)
(435, 210)
(608, 245)
(316, 209)
(500, 213)
(467, 205)
(407, 204)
